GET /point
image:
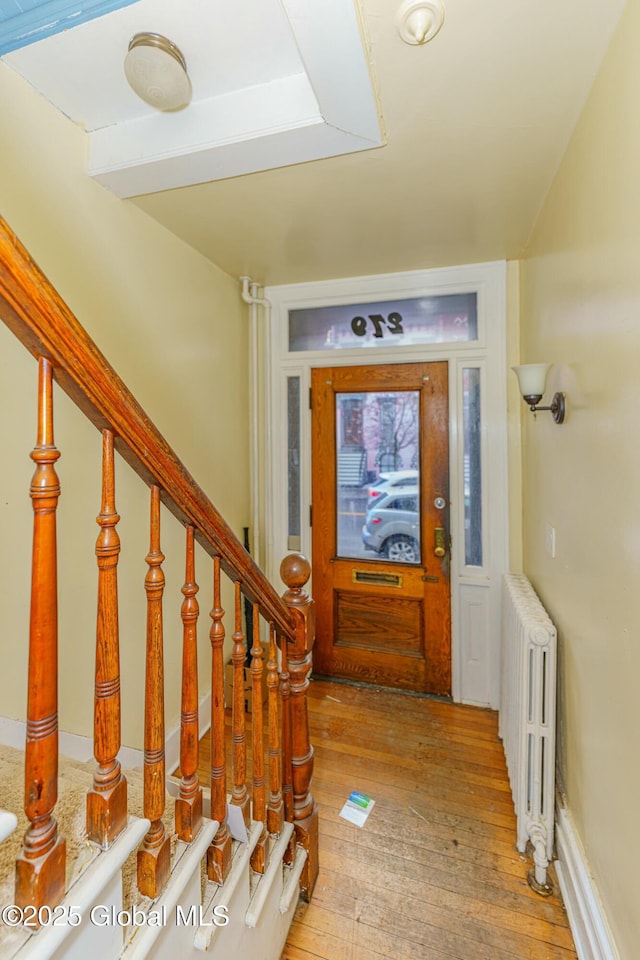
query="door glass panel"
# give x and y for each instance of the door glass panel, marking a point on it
(377, 474)
(293, 452)
(449, 318)
(472, 467)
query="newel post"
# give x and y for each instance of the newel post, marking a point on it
(295, 571)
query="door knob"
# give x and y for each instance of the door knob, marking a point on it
(439, 547)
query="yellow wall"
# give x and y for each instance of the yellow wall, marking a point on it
(174, 327)
(580, 302)
(514, 424)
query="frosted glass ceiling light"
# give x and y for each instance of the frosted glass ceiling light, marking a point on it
(419, 20)
(157, 72)
(532, 378)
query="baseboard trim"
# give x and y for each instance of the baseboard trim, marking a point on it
(588, 923)
(76, 747)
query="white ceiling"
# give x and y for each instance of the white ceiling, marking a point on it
(281, 169)
(264, 92)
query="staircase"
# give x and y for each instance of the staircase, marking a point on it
(169, 868)
(351, 467)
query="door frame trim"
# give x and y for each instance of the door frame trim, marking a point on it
(475, 591)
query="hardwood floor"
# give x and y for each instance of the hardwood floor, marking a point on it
(434, 873)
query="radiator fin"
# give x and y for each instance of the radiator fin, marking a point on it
(528, 715)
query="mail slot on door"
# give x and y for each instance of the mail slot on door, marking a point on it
(373, 577)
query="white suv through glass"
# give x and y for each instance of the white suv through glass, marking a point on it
(392, 527)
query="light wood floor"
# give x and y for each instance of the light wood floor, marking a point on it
(434, 873)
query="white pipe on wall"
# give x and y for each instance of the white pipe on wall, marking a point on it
(249, 295)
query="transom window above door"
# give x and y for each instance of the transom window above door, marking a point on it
(447, 318)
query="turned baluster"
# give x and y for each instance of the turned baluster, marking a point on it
(188, 811)
(287, 768)
(107, 798)
(258, 857)
(219, 852)
(154, 855)
(239, 794)
(295, 571)
(275, 807)
(40, 867)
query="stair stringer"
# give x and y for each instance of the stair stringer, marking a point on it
(178, 907)
(190, 919)
(269, 907)
(267, 902)
(8, 823)
(99, 884)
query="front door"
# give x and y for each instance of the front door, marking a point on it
(380, 524)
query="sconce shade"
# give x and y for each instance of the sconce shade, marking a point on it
(532, 378)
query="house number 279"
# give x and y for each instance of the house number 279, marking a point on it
(380, 324)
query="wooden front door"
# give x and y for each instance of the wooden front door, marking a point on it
(380, 524)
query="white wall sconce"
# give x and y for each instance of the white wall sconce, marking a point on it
(157, 72)
(532, 378)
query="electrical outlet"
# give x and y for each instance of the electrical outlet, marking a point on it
(550, 540)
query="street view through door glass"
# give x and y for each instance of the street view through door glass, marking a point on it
(378, 481)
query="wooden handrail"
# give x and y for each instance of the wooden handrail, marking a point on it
(39, 318)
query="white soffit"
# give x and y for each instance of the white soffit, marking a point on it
(275, 82)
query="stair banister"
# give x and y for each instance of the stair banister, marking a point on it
(154, 856)
(188, 809)
(239, 794)
(295, 572)
(40, 868)
(219, 853)
(258, 793)
(107, 799)
(37, 315)
(275, 807)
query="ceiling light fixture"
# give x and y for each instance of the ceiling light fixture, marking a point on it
(157, 72)
(532, 378)
(419, 20)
